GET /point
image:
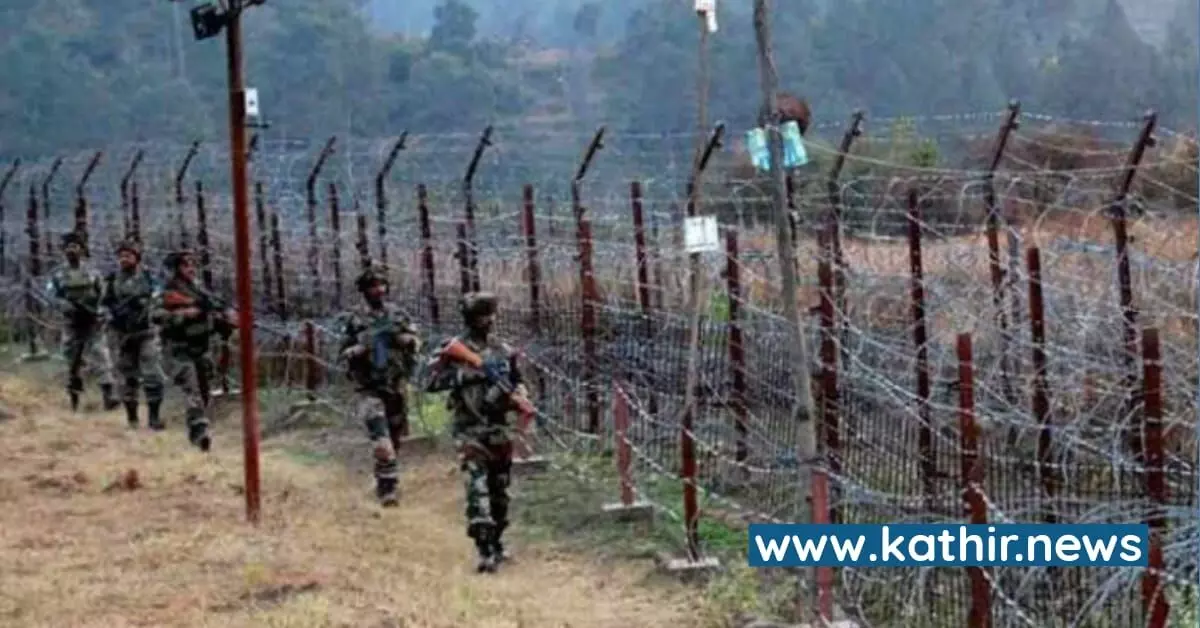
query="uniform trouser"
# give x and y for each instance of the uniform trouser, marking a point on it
(139, 361)
(487, 467)
(192, 373)
(86, 343)
(385, 415)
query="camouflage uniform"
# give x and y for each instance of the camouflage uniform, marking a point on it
(480, 425)
(187, 343)
(129, 296)
(79, 291)
(380, 347)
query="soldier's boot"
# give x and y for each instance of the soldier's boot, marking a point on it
(131, 413)
(198, 430)
(387, 472)
(74, 390)
(498, 551)
(484, 545)
(152, 417)
(386, 492)
(110, 402)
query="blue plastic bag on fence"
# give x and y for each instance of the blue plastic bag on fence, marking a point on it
(794, 153)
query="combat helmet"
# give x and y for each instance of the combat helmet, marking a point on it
(477, 304)
(371, 275)
(175, 259)
(73, 238)
(131, 245)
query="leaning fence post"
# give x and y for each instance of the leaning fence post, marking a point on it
(1124, 274)
(737, 349)
(314, 242)
(47, 223)
(362, 242)
(464, 259)
(277, 251)
(587, 283)
(381, 199)
(472, 255)
(529, 225)
(335, 225)
(1041, 395)
(202, 236)
(834, 192)
(81, 204)
(427, 254)
(972, 479)
(129, 172)
(260, 216)
(1154, 600)
(928, 464)
(629, 508)
(643, 281)
(993, 241)
(35, 270)
(180, 200)
(4, 182)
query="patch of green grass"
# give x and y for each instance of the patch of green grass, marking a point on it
(565, 504)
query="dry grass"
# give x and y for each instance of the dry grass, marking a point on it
(106, 527)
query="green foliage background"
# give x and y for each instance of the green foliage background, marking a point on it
(84, 73)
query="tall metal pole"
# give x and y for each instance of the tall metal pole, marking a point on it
(241, 248)
(802, 410)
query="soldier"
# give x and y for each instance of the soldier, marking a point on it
(380, 348)
(480, 399)
(79, 289)
(130, 294)
(189, 316)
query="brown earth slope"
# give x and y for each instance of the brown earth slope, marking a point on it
(101, 526)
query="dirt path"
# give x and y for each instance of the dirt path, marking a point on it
(82, 545)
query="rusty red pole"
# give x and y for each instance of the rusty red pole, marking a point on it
(830, 419)
(639, 243)
(241, 252)
(624, 449)
(1154, 599)
(972, 478)
(1041, 394)
(928, 463)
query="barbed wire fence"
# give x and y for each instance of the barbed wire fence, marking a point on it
(1013, 339)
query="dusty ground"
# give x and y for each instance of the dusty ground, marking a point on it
(83, 543)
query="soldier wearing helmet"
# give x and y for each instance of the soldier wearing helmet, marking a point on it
(380, 346)
(129, 296)
(480, 406)
(188, 317)
(79, 291)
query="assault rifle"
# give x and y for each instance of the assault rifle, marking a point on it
(458, 352)
(222, 327)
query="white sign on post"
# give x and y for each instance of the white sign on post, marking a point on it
(708, 8)
(251, 102)
(701, 235)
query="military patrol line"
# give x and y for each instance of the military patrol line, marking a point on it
(380, 348)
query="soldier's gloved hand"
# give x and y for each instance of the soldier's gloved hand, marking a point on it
(103, 316)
